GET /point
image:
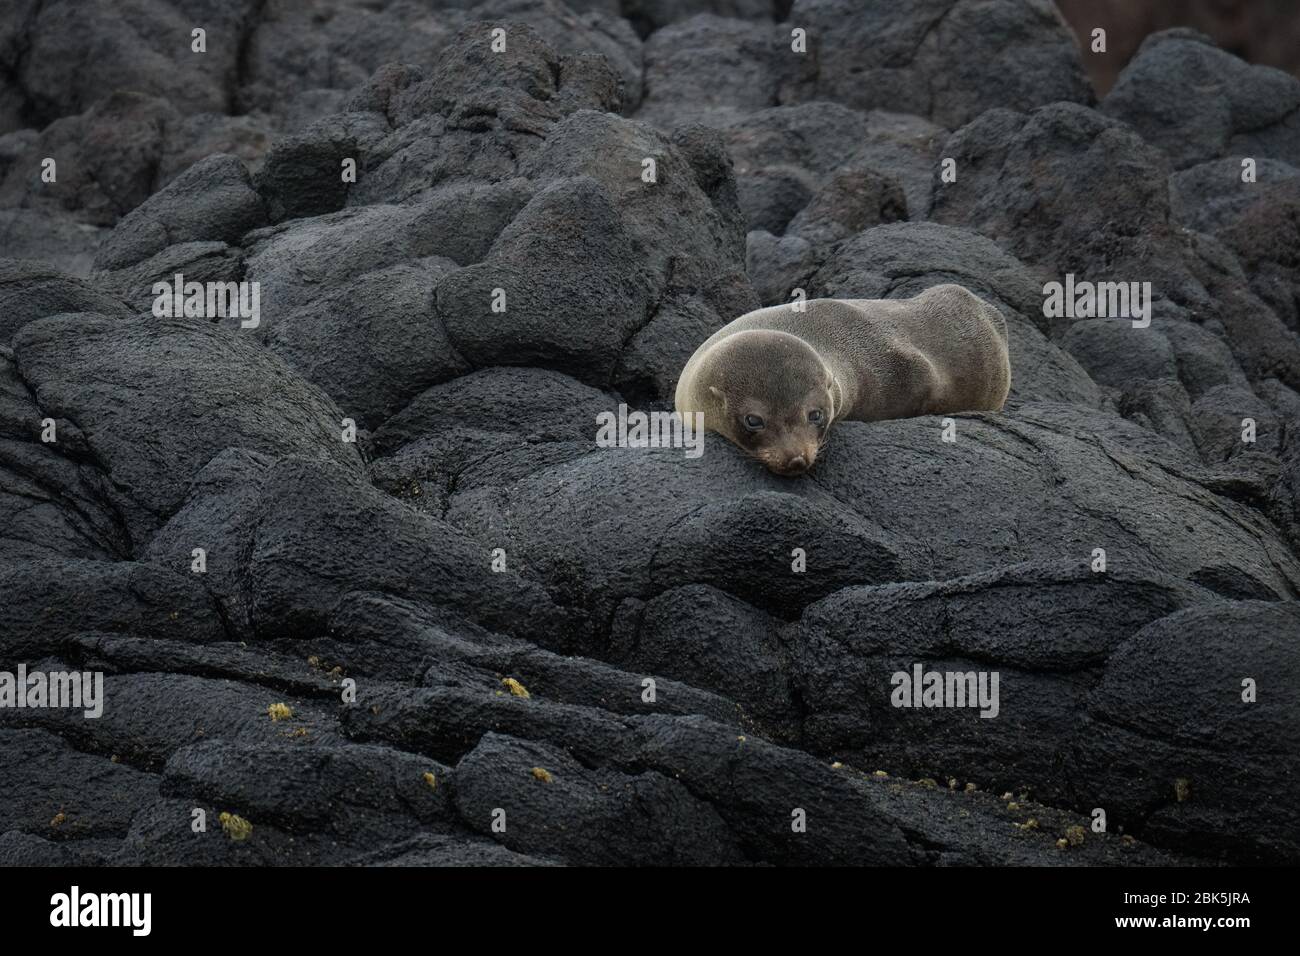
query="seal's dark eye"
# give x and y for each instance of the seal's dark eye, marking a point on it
(815, 416)
(753, 423)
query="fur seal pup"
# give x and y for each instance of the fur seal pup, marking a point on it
(774, 380)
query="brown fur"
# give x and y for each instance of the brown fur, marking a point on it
(942, 351)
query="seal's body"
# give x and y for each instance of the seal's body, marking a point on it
(774, 380)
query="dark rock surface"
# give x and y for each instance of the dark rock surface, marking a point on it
(946, 60)
(494, 642)
(1197, 102)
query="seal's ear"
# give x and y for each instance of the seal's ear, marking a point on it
(717, 393)
(834, 394)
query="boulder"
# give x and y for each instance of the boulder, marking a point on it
(946, 60)
(1198, 103)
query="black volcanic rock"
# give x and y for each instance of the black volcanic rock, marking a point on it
(1212, 195)
(145, 441)
(1178, 688)
(212, 201)
(946, 60)
(1265, 237)
(1072, 192)
(784, 154)
(711, 69)
(495, 642)
(29, 290)
(1197, 102)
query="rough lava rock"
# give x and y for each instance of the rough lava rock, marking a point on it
(946, 60)
(391, 486)
(1198, 103)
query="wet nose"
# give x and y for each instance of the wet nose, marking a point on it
(797, 465)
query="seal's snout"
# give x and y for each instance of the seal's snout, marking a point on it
(792, 467)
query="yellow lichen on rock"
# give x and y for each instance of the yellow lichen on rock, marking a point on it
(236, 827)
(1182, 789)
(516, 689)
(543, 775)
(431, 780)
(1076, 835)
(59, 819)
(279, 712)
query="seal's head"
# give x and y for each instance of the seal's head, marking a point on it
(771, 394)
